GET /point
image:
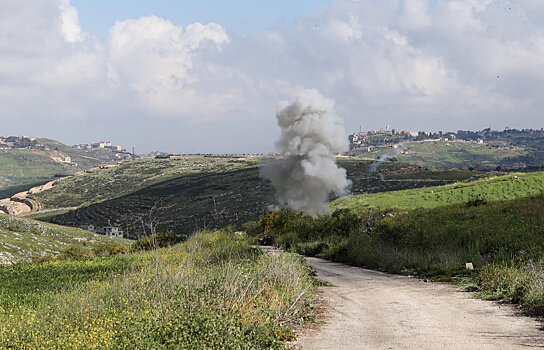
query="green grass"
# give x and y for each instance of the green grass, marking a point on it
(496, 223)
(492, 188)
(460, 153)
(23, 239)
(22, 166)
(454, 154)
(213, 291)
(519, 283)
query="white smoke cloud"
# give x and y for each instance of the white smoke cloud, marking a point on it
(311, 136)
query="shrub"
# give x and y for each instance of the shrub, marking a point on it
(476, 201)
(111, 248)
(252, 228)
(159, 240)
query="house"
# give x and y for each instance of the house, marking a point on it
(111, 231)
(88, 227)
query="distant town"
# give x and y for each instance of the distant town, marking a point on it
(101, 144)
(366, 141)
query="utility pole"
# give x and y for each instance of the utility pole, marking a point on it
(133, 154)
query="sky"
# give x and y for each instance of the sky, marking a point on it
(207, 76)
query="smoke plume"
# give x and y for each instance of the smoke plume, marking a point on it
(311, 136)
(381, 159)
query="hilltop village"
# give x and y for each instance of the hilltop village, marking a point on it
(101, 144)
(367, 140)
(61, 153)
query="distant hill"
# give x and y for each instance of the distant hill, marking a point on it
(27, 162)
(487, 149)
(188, 193)
(23, 239)
(489, 189)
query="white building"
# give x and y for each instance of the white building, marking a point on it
(111, 231)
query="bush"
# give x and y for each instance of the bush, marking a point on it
(476, 201)
(252, 228)
(73, 253)
(159, 240)
(111, 248)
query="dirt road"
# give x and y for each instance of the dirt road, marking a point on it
(371, 310)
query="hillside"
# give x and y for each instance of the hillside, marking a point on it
(193, 192)
(487, 149)
(454, 154)
(494, 188)
(23, 240)
(28, 162)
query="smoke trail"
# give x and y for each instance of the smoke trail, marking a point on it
(381, 159)
(311, 136)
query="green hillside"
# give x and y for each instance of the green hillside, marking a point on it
(23, 239)
(194, 192)
(488, 189)
(38, 163)
(455, 154)
(460, 153)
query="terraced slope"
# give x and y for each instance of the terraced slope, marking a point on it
(495, 188)
(195, 192)
(97, 185)
(23, 239)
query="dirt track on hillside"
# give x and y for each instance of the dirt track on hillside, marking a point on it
(371, 310)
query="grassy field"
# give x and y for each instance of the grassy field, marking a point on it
(453, 154)
(22, 166)
(460, 154)
(489, 189)
(198, 192)
(214, 291)
(24, 240)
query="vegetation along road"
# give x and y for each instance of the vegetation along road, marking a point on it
(367, 309)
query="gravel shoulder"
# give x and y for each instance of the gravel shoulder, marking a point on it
(367, 309)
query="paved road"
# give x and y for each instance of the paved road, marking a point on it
(372, 310)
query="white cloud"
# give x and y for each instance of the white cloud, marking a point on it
(70, 22)
(415, 14)
(448, 64)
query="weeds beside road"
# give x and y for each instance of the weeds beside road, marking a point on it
(504, 240)
(213, 291)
